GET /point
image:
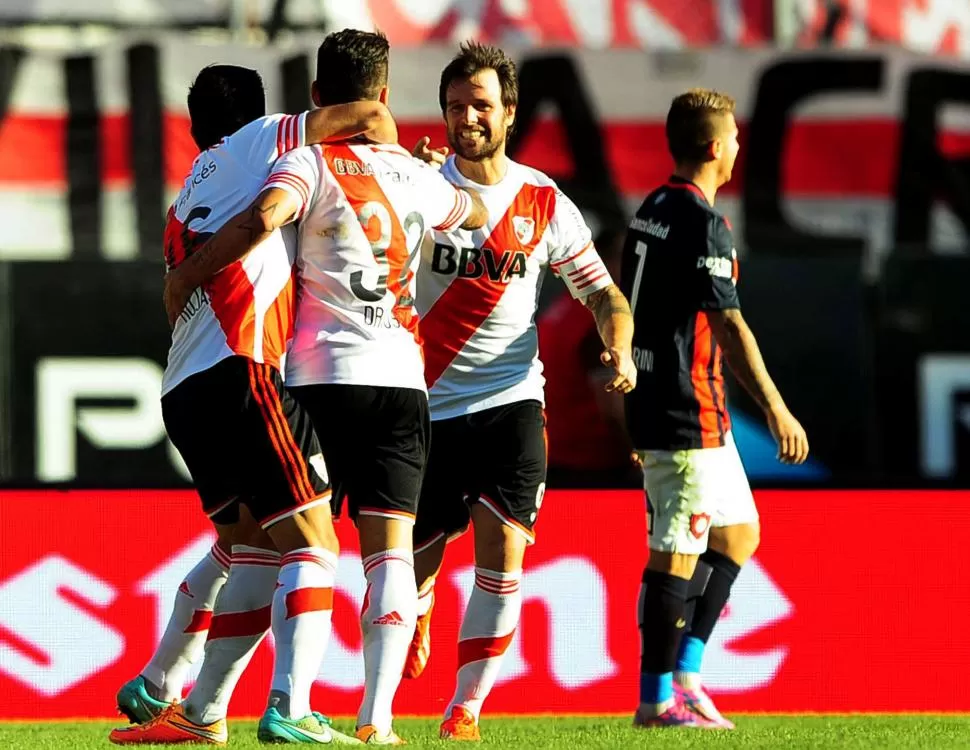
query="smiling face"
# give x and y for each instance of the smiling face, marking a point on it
(477, 121)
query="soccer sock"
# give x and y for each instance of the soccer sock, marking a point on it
(241, 619)
(487, 629)
(302, 610)
(662, 600)
(185, 634)
(695, 590)
(387, 619)
(723, 572)
(425, 597)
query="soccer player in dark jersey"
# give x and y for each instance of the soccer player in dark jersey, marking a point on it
(680, 273)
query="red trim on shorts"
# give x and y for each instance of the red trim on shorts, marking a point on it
(257, 381)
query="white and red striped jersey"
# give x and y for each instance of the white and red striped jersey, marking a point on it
(364, 210)
(477, 291)
(247, 308)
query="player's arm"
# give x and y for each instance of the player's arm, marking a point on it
(614, 323)
(744, 358)
(478, 215)
(272, 209)
(574, 259)
(342, 121)
(719, 300)
(446, 207)
(286, 195)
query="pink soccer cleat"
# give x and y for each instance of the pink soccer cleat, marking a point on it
(697, 701)
(678, 715)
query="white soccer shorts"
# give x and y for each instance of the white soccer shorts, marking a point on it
(689, 491)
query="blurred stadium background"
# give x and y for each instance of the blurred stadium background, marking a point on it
(851, 208)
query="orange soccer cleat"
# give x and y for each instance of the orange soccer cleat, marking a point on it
(171, 727)
(420, 649)
(461, 725)
(369, 735)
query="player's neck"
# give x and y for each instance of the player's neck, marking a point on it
(704, 178)
(488, 171)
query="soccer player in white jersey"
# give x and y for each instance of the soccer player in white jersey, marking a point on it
(251, 451)
(477, 294)
(355, 363)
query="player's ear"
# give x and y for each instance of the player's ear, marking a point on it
(715, 149)
(384, 95)
(509, 116)
(315, 94)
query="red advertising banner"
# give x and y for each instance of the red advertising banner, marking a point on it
(849, 591)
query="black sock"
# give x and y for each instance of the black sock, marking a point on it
(708, 607)
(695, 590)
(662, 621)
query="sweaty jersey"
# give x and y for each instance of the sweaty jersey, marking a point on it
(247, 308)
(679, 262)
(477, 291)
(363, 211)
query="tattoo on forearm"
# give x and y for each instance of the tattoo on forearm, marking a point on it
(211, 259)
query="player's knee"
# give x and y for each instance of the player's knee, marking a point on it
(738, 542)
(673, 563)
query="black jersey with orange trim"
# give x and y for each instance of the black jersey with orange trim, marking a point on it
(679, 263)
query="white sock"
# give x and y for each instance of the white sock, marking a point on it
(425, 597)
(487, 628)
(388, 620)
(240, 622)
(184, 637)
(302, 609)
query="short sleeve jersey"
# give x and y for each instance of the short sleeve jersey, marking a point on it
(679, 264)
(363, 213)
(247, 308)
(477, 291)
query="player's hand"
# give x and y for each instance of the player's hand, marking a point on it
(433, 156)
(789, 434)
(624, 379)
(176, 295)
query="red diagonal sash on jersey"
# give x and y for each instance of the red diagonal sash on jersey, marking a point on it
(359, 190)
(467, 303)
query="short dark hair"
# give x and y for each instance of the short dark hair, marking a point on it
(473, 58)
(696, 118)
(352, 66)
(221, 100)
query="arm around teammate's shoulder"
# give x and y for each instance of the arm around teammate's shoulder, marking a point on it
(272, 209)
(744, 358)
(339, 122)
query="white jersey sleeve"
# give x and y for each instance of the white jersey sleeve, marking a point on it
(261, 142)
(444, 205)
(572, 255)
(298, 173)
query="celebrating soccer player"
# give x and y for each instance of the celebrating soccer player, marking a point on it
(355, 363)
(249, 447)
(477, 293)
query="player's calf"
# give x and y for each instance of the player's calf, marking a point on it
(302, 606)
(388, 614)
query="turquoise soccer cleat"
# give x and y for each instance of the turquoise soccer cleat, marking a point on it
(314, 728)
(135, 702)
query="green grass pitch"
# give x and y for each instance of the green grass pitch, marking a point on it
(588, 733)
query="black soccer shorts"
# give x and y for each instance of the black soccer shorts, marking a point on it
(496, 457)
(375, 441)
(245, 439)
